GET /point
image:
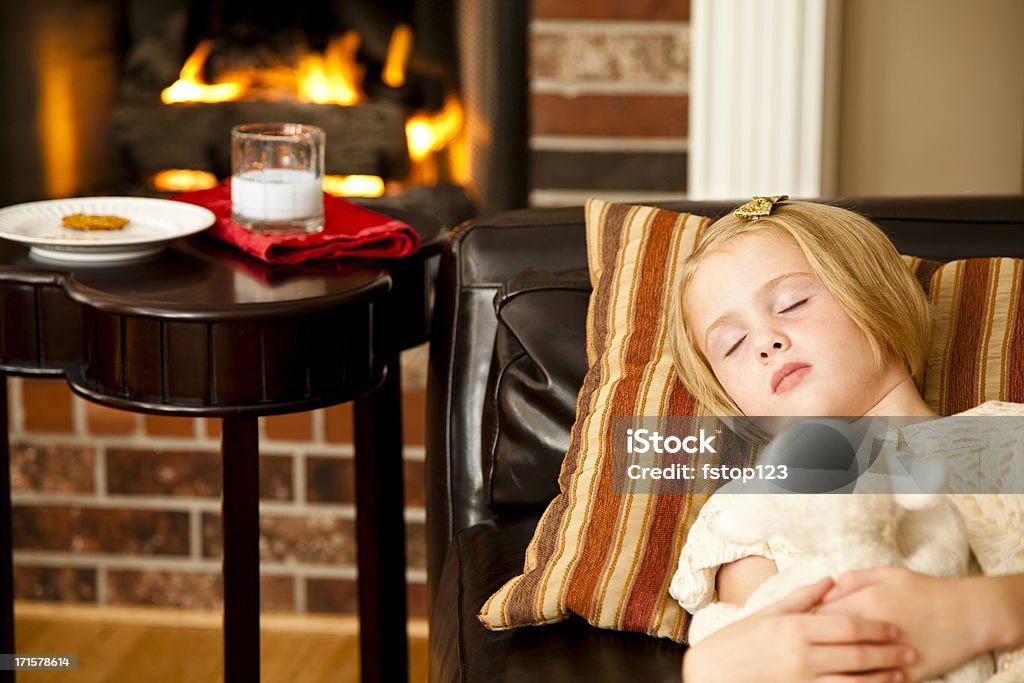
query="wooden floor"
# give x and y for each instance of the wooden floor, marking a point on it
(174, 646)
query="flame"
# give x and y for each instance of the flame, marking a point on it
(399, 49)
(354, 185)
(428, 133)
(190, 86)
(333, 76)
(182, 180)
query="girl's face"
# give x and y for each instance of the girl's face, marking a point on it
(777, 340)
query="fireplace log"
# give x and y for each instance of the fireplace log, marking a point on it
(367, 138)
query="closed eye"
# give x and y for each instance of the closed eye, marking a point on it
(735, 346)
(791, 307)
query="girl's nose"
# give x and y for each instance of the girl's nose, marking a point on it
(776, 345)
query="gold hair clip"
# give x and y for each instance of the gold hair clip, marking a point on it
(759, 206)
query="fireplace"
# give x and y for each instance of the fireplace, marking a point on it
(138, 96)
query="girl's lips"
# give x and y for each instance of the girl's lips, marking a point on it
(788, 376)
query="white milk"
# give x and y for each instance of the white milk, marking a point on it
(276, 194)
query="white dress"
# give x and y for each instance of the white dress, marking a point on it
(995, 521)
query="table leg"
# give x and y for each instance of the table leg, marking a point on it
(240, 524)
(6, 538)
(380, 531)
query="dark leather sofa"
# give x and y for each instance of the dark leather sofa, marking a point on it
(506, 362)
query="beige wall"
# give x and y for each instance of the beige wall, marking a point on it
(932, 97)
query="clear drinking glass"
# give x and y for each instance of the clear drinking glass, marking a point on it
(277, 174)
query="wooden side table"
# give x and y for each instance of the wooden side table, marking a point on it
(204, 330)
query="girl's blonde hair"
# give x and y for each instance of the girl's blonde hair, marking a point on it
(856, 262)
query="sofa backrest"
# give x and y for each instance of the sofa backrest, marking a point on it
(486, 253)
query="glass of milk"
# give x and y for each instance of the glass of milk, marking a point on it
(277, 174)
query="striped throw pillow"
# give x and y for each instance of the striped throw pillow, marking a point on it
(976, 350)
(602, 555)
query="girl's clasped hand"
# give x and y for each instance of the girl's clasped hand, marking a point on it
(791, 642)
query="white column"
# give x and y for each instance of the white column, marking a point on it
(763, 89)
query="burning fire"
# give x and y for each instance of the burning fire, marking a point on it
(190, 86)
(354, 185)
(399, 50)
(428, 133)
(333, 77)
(182, 180)
(435, 142)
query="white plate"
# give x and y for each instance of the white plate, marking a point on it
(153, 224)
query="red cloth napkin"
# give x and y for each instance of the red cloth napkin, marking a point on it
(349, 230)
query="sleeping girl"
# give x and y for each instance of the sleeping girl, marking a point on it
(822, 318)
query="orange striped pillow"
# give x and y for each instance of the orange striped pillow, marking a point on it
(976, 350)
(605, 556)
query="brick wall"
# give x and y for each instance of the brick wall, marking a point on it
(112, 507)
(608, 99)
